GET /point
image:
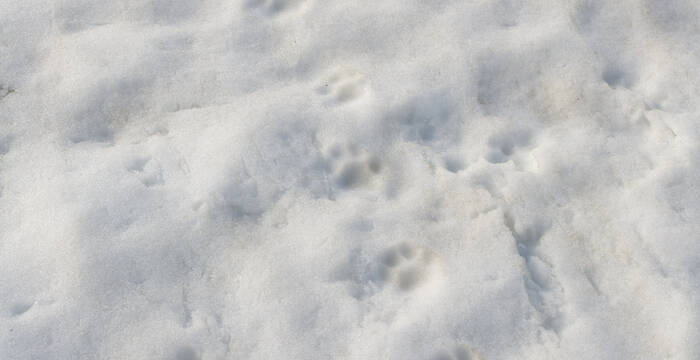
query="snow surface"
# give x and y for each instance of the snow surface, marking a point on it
(327, 179)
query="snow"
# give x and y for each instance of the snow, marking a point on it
(308, 179)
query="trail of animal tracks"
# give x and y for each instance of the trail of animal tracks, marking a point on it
(308, 179)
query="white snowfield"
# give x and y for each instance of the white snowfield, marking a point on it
(349, 179)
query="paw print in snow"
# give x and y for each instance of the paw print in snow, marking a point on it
(512, 146)
(407, 266)
(352, 168)
(149, 172)
(275, 7)
(343, 85)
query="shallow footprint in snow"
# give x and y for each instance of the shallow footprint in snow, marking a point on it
(186, 353)
(407, 266)
(20, 308)
(149, 172)
(618, 76)
(430, 119)
(352, 167)
(343, 85)
(275, 7)
(544, 291)
(512, 145)
(504, 145)
(453, 163)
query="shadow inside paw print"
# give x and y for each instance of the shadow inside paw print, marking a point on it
(20, 308)
(5, 91)
(186, 353)
(431, 120)
(149, 172)
(351, 167)
(274, 7)
(503, 146)
(407, 266)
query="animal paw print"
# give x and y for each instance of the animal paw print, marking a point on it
(275, 7)
(504, 145)
(453, 163)
(343, 85)
(149, 172)
(511, 146)
(407, 266)
(352, 168)
(544, 290)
